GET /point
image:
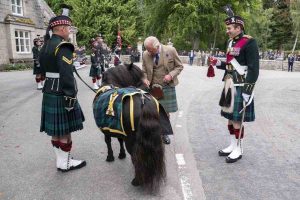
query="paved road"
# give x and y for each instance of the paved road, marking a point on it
(27, 166)
(269, 168)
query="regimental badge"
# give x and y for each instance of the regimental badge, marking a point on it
(234, 51)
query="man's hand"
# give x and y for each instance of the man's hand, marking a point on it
(146, 82)
(167, 78)
(246, 97)
(214, 61)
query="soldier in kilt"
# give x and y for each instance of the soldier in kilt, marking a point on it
(61, 112)
(95, 70)
(241, 73)
(161, 66)
(37, 71)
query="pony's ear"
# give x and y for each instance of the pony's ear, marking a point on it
(130, 66)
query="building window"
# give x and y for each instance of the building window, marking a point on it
(22, 41)
(17, 7)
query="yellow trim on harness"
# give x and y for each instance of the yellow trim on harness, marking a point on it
(131, 108)
(113, 130)
(157, 104)
(110, 109)
(131, 113)
(67, 60)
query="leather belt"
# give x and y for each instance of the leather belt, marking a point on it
(229, 67)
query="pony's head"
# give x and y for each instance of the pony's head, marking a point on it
(124, 76)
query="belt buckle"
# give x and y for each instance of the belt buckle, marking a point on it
(229, 67)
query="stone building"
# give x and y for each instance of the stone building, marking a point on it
(20, 22)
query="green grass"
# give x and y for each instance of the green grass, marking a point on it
(16, 67)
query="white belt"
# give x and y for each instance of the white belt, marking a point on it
(52, 75)
(238, 84)
(241, 69)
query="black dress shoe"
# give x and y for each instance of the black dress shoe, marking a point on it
(222, 153)
(166, 139)
(232, 160)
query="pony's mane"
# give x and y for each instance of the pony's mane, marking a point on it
(124, 76)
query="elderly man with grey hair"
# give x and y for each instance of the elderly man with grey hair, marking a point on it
(161, 66)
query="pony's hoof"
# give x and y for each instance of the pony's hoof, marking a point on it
(135, 182)
(110, 158)
(122, 155)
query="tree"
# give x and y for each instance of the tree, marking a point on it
(104, 16)
(295, 8)
(281, 23)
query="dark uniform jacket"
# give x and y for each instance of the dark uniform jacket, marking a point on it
(36, 52)
(56, 59)
(249, 56)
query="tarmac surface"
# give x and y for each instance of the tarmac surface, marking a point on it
(269, 168)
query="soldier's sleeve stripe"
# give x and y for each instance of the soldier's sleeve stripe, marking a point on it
(67, 60)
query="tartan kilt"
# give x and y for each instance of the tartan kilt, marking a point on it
(169, 101)
(94, 71)
(56, 120)
(238, 106)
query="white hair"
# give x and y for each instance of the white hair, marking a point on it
(151, 40)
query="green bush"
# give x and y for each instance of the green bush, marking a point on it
(16, 66)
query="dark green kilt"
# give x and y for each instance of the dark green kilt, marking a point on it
(37, 70)
(169, 101)
(238, 106)
(56, 120)
(94, 71)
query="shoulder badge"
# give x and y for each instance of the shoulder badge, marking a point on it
(68, 44)
(247, 36)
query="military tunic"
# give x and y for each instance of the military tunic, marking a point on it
(95, 70)
(60, 86)
(247, 55)
(36, 63)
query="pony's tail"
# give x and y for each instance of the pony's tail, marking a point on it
(148, 153)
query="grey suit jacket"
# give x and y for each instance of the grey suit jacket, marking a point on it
(168, 59)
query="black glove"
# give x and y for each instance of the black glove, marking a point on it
(69, 102)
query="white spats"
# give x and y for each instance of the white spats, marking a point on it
(233, 144)
(64, 161)
(95, 86)
(236, 152)
(39, 85)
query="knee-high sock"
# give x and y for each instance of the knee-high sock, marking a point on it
(66, 147)
(237, 132)
(230, 129)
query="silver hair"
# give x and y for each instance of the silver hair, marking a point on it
(151, 40)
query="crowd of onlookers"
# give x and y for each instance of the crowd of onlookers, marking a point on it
(276, 55)
(266, 55)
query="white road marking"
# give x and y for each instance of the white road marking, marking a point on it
(178, 125)
(180, 159)
(184, 180)
(180, 113)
